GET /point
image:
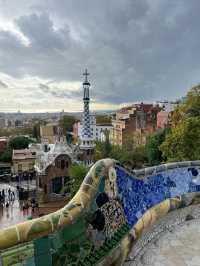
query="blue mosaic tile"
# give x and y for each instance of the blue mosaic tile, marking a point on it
(137, 196)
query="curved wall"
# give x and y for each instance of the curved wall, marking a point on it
(109, 212)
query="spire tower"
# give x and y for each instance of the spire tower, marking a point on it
(86, 130)
(87, 139)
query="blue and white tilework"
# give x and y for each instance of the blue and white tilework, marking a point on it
(139, 195)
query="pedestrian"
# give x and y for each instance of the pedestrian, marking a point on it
(33, 207)
(9, 192)
(13, 195)
(1, 199)
(3, 193)
(37, 206)
(23, 206)
(27, 205)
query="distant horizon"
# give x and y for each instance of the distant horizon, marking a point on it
(52, 112)
(138, 50)
(91, 109)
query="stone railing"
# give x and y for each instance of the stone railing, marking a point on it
(108, 214)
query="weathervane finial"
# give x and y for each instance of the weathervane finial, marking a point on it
(86, 74)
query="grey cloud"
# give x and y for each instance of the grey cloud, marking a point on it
(58, 93)
(3, 85)
(44, 88)
(39, 30)
(135, 50)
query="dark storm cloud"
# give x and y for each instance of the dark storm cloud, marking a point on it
(134, 49)
(39, 30)
(59, 93)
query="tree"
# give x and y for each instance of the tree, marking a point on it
(129, 154)
(36, 131)
(153, 152)
(66, 122)
(19, 142)
(183, 143)
(6, 156)
(190, 107)
(16, 143)
(78, 172)
(132, 158)
(129, 143)
(103, 149)
(103, 119)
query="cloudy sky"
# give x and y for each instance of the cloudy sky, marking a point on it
(135, 50)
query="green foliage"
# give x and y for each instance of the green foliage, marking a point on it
(134, 158)
(183, 143)
(36, 131)
(78, 172)
(129, 143)
(8, 132)
(103, 149)
(19, 142)
(129, 154)
(103, 119)
(16, 143)
(6, 156)
(189, 108)
(153, 143)
(66, 122)
(192, 105)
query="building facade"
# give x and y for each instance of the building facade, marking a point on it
(23, 161)
(97, 130)
(49, 133)
(52, 166)
(163, 119)
(55, 177)
(137, 121)
(3, 144)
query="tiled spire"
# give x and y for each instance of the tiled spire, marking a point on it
(86, 130)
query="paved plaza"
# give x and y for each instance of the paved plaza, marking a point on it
(14, 213)
(176, 245)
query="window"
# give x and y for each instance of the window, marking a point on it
(19, 167)
(57, 163)
(40, 182)
(45, 189)
(62, 164)
(56, 185)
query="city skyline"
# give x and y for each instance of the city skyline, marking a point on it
(136, 51)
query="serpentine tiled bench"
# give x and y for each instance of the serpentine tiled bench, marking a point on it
(108, 214)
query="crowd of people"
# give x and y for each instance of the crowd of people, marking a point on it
(7, 196)
(26, 205)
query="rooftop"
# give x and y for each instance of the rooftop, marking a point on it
(23, 154)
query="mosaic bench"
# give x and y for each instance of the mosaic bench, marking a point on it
(101, 223)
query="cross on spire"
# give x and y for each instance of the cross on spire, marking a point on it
(86, 74)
